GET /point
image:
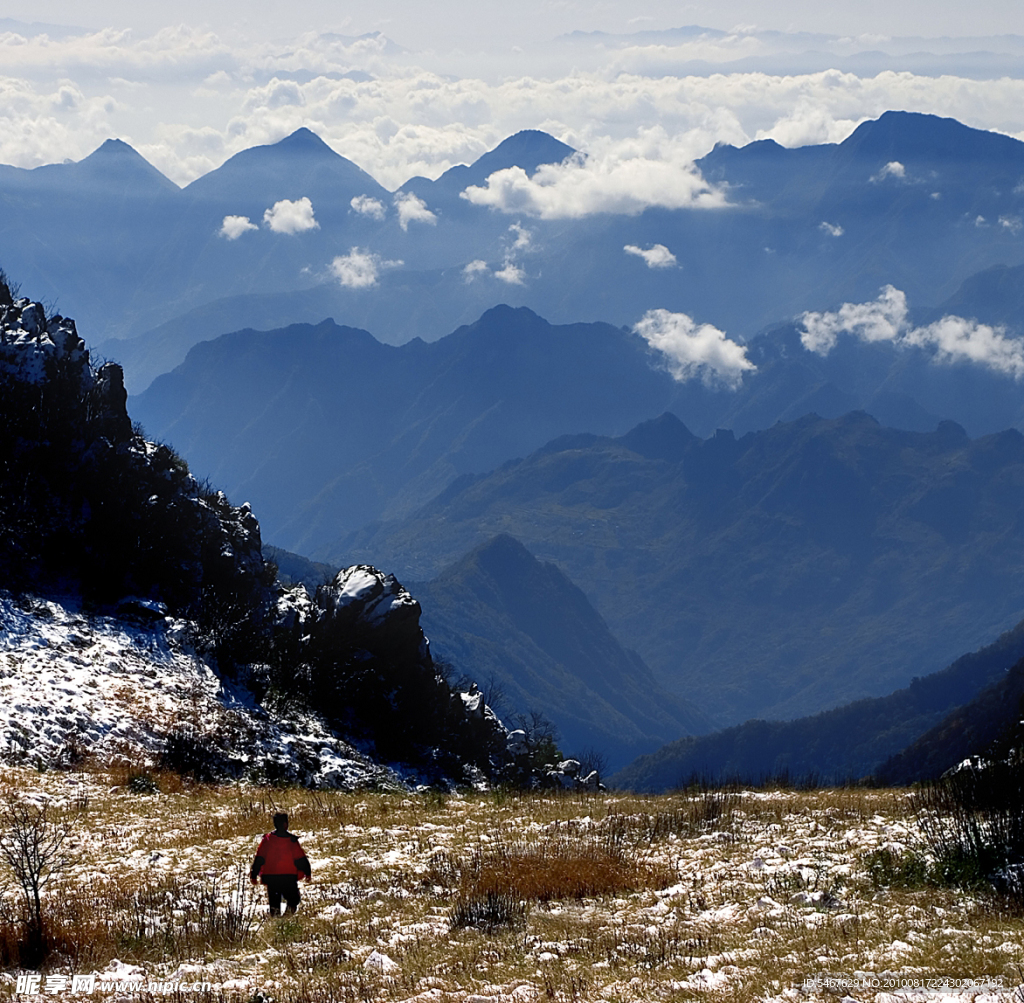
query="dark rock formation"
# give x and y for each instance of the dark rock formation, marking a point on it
(355, 651)
(88, 505)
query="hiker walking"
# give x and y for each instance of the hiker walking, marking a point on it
(280, 862)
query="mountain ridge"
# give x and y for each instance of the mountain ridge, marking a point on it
(876, 737)
(872, 193)
(521, 625)
(761, 559)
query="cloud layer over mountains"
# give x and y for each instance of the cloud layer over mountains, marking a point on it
(398, 113)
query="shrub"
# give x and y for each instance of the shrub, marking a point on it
(973, 822)
(493, 881)
(488, 911)
(142, 783)
(889, 868)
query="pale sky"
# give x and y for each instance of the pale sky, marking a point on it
(447, 24)
(190, 83)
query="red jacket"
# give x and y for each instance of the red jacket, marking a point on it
(280, 855)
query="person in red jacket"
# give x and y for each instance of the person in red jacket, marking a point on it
(280, 863)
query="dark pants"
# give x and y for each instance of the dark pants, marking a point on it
(282, 885)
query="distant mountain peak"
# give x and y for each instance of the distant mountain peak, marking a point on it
(115, 146)
(304, 140)
(910, 133)
(112, 158)
(504, 546)
(528, 149)
(504, 320)
(662, 438)
(110, 149)
(287, 169)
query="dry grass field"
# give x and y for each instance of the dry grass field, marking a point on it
(499, 898)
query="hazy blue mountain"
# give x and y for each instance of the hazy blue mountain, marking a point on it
(949, 210)
(775, 575)
(969, 730)
(197, 265)
(128, 250)
(849, 742)
(84, 234)
(525, 634)
(528, 149)
(503, 618)
(327, 429)
(902, 387)
(294, 569)
(993, 296)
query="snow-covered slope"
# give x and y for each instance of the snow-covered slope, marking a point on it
(73, 684)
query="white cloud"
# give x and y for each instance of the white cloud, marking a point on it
(234, 226)
(832, 229)
(475, 269)
(511, 273)
(880, 320)
(624, 177)
(412, 209)
(359, 269)
(1011, 223)
(291, 217)
(951, 339)
(954, 339)
(523, 237)
(367, 205)
(656, 256)
(398, 115)
(694, 350)
(893, 169)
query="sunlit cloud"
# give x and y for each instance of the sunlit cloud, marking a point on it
(655, 256)
(511, 273)
(412, 209)
(695, 351)
(359, 269)
(365, 205)
(475, 269)
(949, 340)
(893, 169)
(626, 177)
(523, 237)
(234, 226)
(291, 217)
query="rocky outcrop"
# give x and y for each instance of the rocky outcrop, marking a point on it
(88, 505)
(357, 653)
(369, 609)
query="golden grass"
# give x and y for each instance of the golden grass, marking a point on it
(574, 896)
(563, 868)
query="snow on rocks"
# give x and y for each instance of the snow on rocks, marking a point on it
(380, 963)
(371, 595)
(29, 344)
(118, 971)
(74, 683)
(568, 775)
